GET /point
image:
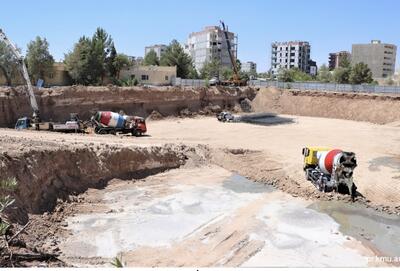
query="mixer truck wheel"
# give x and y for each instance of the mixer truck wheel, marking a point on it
(102, 131)
(307, 175)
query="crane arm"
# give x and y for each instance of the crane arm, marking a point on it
(228, 44)
(24, 72)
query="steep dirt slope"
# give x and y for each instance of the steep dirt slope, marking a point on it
(375, 108)
(56, 103)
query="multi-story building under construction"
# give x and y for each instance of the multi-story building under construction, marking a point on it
(210, 44)
(290, 54)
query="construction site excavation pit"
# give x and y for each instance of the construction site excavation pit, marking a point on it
(209, 216)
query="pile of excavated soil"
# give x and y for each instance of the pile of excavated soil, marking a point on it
(56, 103)
(375, 108)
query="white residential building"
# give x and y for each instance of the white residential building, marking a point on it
(209, 44)
(249, 67)
(291, 54)
(158, 48)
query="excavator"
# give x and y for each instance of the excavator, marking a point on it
(24, 71)
(34, 123)
(236, 81)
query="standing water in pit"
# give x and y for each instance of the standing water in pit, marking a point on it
(245, 223)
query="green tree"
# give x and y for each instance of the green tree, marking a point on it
(121, 61)
(293, 75)
(7, 186)
(174, 55)
(8, 63)
(360, 74)
(193, 74)
(151, 58)
(100, 56)
(344, 62)
(111, 64)
(38, 59)
(78, 63)
(227, 73)
(92, 59)
(341, 75)
(324, 75)
(210, 69)
(238, 65)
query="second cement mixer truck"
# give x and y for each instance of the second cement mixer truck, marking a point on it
(107, 122)
(330, 169)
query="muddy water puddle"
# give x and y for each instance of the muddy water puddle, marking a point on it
(378, 230)
(172, 210)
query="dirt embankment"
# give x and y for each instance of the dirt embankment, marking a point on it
(375, 108)
(57, 102)
(51, 175)
(47, 175)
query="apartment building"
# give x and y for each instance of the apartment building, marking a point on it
(249, 67)
(336, 59)
(290, 54)
(380, 57)
(210, 44)
(158, 48)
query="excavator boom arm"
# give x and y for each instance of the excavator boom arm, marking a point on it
(228, 44)
(24, 72)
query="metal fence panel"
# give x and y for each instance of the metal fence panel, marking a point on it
(326, 86)
(188, 82)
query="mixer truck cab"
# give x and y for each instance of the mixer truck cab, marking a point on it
(27, 123)
(330, 169)
(140, 124)
(23, 123)
(310, 156)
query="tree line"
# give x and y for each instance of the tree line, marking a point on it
(344, 74)
(95, 58)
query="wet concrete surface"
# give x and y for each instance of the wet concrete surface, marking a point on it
(385, 161)
(166, 211)
(266, 119)
(376, 229)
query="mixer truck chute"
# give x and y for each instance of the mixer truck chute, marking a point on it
(330, 169)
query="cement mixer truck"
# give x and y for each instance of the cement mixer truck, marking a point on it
(107, 122)
(330, 169)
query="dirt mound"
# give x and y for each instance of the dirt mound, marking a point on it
(73, 170)
(375, 108)
(155, 115)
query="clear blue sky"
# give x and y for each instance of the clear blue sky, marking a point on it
(328, 25)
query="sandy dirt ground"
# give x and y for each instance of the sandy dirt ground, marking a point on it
(377, 147)
(270, 154)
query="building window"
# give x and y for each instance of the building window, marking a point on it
(132, 76)
(166, 78)
(145, 77)
(51, 75)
